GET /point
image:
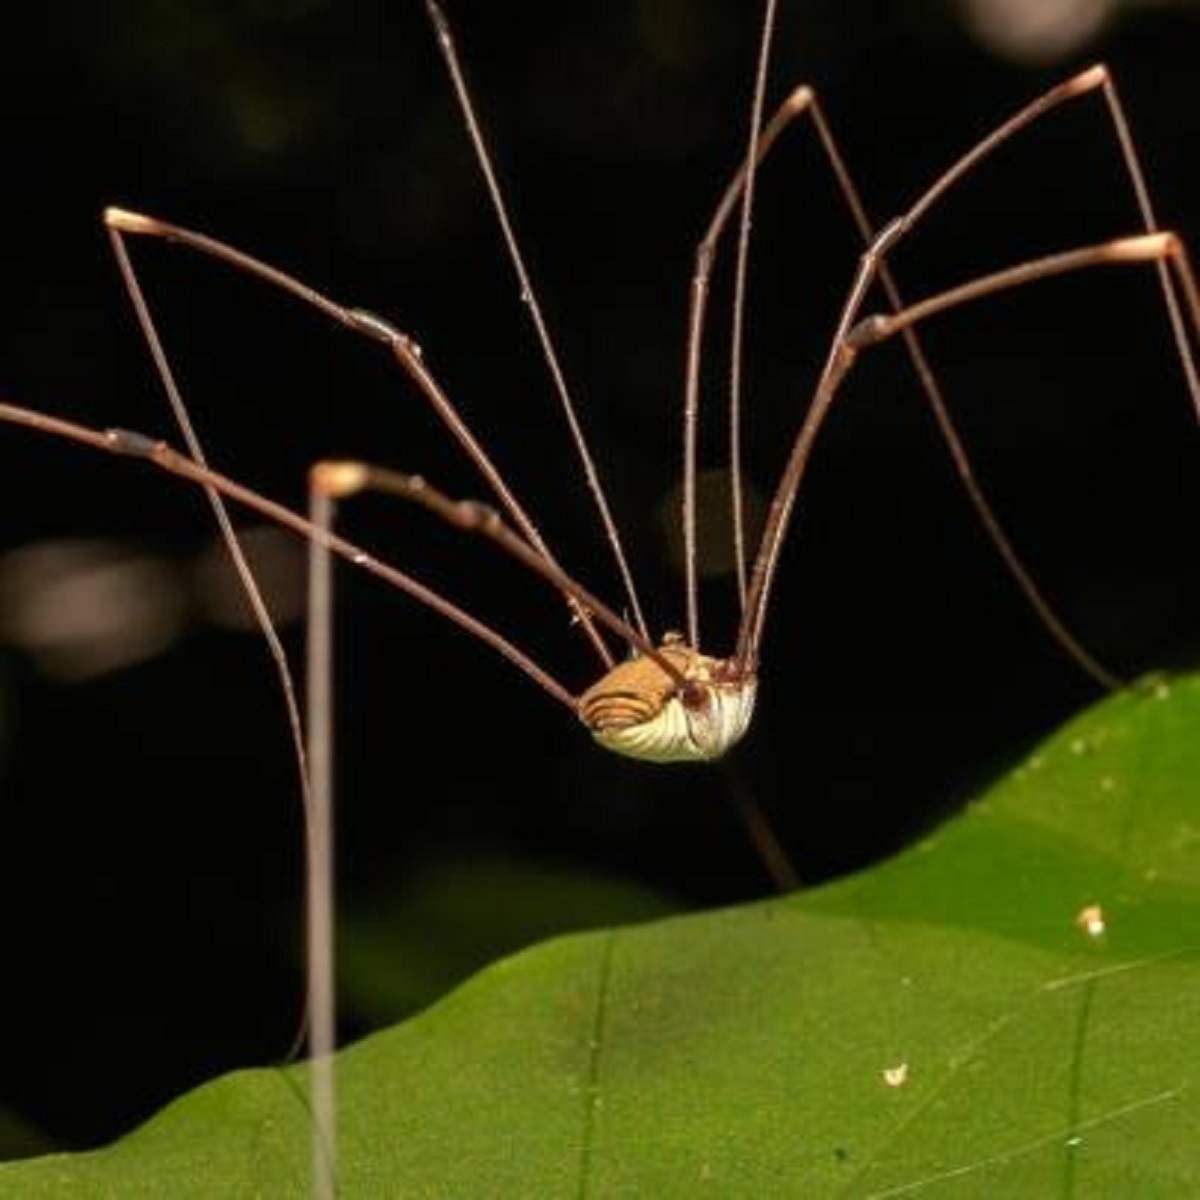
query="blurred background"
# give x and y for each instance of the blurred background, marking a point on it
(152, 853)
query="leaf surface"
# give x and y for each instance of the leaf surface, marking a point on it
(946, 1023)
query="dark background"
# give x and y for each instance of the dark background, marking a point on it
(151, 833)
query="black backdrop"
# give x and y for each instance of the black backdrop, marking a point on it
(150, 813)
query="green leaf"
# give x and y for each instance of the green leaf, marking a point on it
(942, 1024)
(399, 950)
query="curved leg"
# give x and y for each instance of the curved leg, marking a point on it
(874, 266)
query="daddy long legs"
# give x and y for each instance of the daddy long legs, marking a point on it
(437, 358)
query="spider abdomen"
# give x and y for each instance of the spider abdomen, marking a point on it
(639, 710)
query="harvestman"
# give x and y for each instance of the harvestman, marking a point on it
(665, 700)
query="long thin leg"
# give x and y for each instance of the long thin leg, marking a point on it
(319, 1017)
(804, 101)
(1151, 248)
(872, 268)
(320, 884)
(342, 479)
(232, 543)
(136, 445)
(405, 351)
(529, 298)
(1086, 82)
(741, 273)
(1164, 249)
(761, 832)
(705, 254)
